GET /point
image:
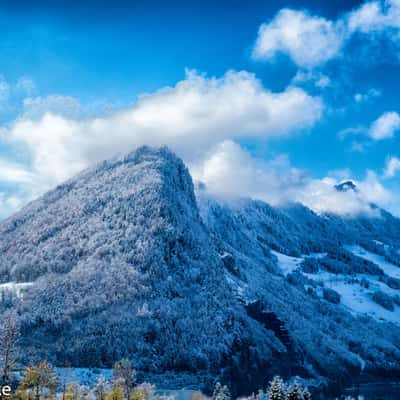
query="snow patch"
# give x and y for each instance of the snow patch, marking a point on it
(389, 268)
(16, 288)
(356, 298)
(287, 264)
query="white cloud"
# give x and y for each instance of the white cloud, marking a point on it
(10, 203)
(190, 117)
(19, 185)
(385, 126)
(229, 171)
(311, 40)
(15, 173)
(375, 17)
(392, 167)
(308, 40)
(199, 118)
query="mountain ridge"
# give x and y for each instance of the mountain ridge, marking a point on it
(125, 260)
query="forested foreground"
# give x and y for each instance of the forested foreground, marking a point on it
(41, 381)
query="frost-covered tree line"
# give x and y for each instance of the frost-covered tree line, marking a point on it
(279, 390)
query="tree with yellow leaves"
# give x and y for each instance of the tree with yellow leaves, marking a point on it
(117, 393)
(39, 381)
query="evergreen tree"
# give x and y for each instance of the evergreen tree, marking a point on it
(306, 394)
(276, 389)
(39, 380)
(221, 392)
(294, 392)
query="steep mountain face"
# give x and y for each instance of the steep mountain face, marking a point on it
(118, 263)
(125, 261)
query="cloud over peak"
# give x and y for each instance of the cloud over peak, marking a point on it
(58, 140)
(190, 117)
(230, 171)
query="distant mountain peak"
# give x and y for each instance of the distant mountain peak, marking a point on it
(345, 186)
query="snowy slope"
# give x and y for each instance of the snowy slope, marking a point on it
(328, 335)
(286, 263)
(121, 265)
(124, 260)
(389, 268)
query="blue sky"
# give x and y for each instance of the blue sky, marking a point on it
(274, 101)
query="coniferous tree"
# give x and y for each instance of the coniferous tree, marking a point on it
(276, 389)
(294, 392)
(221, 392)
(306, 394)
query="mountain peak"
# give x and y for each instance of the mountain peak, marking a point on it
(346, 186)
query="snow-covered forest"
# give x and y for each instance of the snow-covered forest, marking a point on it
(130, 260)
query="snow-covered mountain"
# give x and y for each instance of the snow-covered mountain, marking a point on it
(125, 260)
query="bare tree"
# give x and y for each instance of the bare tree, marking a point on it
(9, 333)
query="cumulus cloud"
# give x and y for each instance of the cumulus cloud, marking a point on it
(311, 40)
(385, 126)
(200, 118)
(229, 170)
(375, 17)
(190, 117)
(308, 40)
(392, 167)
